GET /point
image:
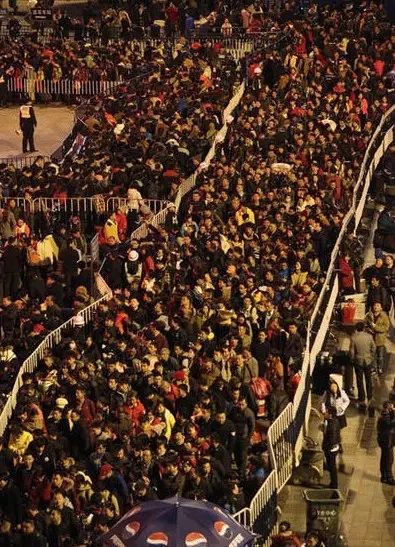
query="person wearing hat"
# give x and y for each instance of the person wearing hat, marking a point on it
(10, 499)
(27, 123)
(115, 484)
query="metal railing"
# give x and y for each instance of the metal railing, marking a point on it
(187, 185)
(33, 86)
(30, 364)
(81, 205)
(19, 162)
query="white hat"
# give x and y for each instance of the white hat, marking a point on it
(133, 256)
(61, 402)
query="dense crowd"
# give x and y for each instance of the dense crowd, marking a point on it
(156, 128)
(43, 282)
(173, 386)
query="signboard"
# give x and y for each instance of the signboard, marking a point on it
(41, 14)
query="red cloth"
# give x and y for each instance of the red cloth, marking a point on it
(120, 320)
(346, 277)
(88, 411)
(134, 412)
(122, 223)
(172, 14)
(379, 67)
(300, 48)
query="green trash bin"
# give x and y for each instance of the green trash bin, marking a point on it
(322, 514)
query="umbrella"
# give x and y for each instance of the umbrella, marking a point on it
(177, 522)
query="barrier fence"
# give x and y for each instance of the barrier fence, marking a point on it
(32, 86)
(91, 211)
(53, 338)
(19, 162)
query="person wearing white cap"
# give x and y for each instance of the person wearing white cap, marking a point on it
(27, 123)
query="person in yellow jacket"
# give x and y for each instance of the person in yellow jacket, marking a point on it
(244, 215)
(19, 440)
(111, 228)
(167, 417)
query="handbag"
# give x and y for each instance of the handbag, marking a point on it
(342, 421)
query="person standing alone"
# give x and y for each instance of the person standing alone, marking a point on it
(27, 123)
(385, 440)
(362, 354)
(331, 443)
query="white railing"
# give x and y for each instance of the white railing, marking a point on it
(154, 205)
(280, 443)
(95, 248)
(264, 499)
(189, 183)
(30, 364)
(32, 86)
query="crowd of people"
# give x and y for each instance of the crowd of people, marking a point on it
(157, 127)
(43, 282)
(172, 387)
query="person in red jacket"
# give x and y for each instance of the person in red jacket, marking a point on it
(172, 18)
(85, 406)
(286, 536)
(346, 275)
(134, 408)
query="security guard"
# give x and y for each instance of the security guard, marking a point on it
(27, 123)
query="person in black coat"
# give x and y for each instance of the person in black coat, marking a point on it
(321, 244)
(385, 440)
(57, 533)
(378, 293)
(78, 437)
(225, 430)
(9, 317)
(331, 444)
(27, 123)
(293, 347)
(70, 258)
(55, 288)
(12, 258)
(10, 499)
(29, 536)
(260, 349)
(6, 457)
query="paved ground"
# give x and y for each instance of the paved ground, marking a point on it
(54, 123)
(368, 518)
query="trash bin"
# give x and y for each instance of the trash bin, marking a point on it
(322, 514)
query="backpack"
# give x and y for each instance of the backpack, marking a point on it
(261, 389)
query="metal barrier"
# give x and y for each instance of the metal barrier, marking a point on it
(280, 441)
(95, 249)
(263, 509)
(190, 182)
(19, 162)
(301, 402)
(33, 86)
(32, 361)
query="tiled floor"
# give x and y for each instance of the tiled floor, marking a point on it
(54, 123)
